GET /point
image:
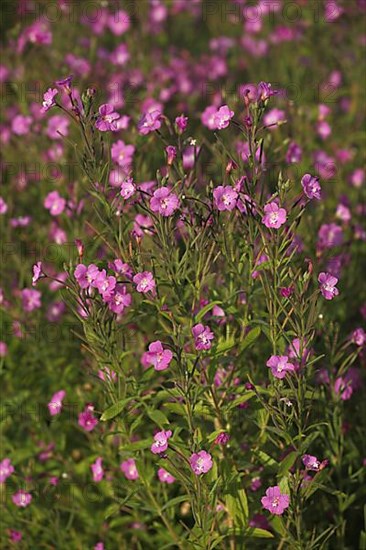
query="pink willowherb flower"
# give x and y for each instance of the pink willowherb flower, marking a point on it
(157, 356)
(202, 337)
(181, 123)
(274, 216)
(49, 99)
(87, 419)
(274, 501)
(344, 388)
(311, 186)
(200, 462)
(31, 299)
(122, 154)
(54, 203)
(119, 300)
(171, 152)
(225, 197)
(128, 188)
(6, 469)
(164, 201)
(358, 337)
(97, 470)
(149, 122)
(160, 444)
(222, 117)
(3, 206)
(144, 282)
(312, 463)
(55, 405)
(328, 285)
(222, 439)
(15, 536)
(106, 120)
(165, 477)
(85, 276)
(279, 365)
(37, 273)
(3, 349)
(128, 467)
(105, 284)
(22, 499)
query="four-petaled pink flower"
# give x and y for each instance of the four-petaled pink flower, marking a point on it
(149, 122)
(225, 197)
(328, 285)
(54, 203)
(97, 470)
(274, 216)
(311, 186)
(164, 201)
(200, 462)
(106, 120)
(105, 284)
(202, 337)
(55, 405)
(22, 499)
(6, 469)
(222, 117)
(311, 462)
(274, 501)
(87, 419)
(157, 356)
(85, 276)
(279, 365)
(31, 299)
(128, 188)
(160, 444)
(128, 467)
(37, 272)
(165, 477)
(119, 300)
(49, 99)
(144, 282)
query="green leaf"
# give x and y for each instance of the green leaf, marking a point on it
(115, 409)
(258, 533)
(287, 463)
(249, 339)
(158, 417)
(200, 315)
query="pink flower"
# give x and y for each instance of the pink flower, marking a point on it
(128, 188)
(105, 284)
(201, 462)
(359, 336)
(22, 499)
(222, 439)
(160, 444)
(328, 285)
(274, 216)
(208, 117)
(274, 501)
(15, 536)
(119, 300)
(31, 299)
(164, 201)
(20, 125)
(157, 356)
(37, 272)
(55, 405)
(279, 365)
(310, 462)
(181, 123)
(106, 120)
(54, 203)
(122, 154)
(128, 467)
(48, 99)
(171, 152)
(343, 387)
(311, 186)
(99, 546)
(145, 282)
(97, 470)
(149, 122)
(165, 477)
(202, 337)
(225, 197)
(6, 469)
(57, 127)
(87, 420)
(222, 117)
(119, 22)
(3, 349)
(330, 235)
(85, 276)
(3, 206)
(272, 119)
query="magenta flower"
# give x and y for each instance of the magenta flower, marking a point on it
(201, 462)
(171, 152)
(106, 120)
(328, 285)
(157, 356)
(164, 201)
(359, 336)
(330, 235)
(122, 154)
(311, 462)
(202, 337)
(128, 467)
(49, 99)
(128, 188)
(181, 123)
(222, 117)
(105, 284)
(311, 186)
(144, 282)
(344, 388)
(160, 444)
(55, 405)
(274, 216)
(3, 206)
(37, 273)
(57, 127)
(149, 122)
(22, 499)
(273, 118)
(165, 477)
(119, 300)
(279, 365)
(85, 276)
(6, 469)
(222, 439)
(225, 197)
(97, 470)
(31, 299)
(87, 419)
(274, 501)
(54, 203)
(65, 83)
